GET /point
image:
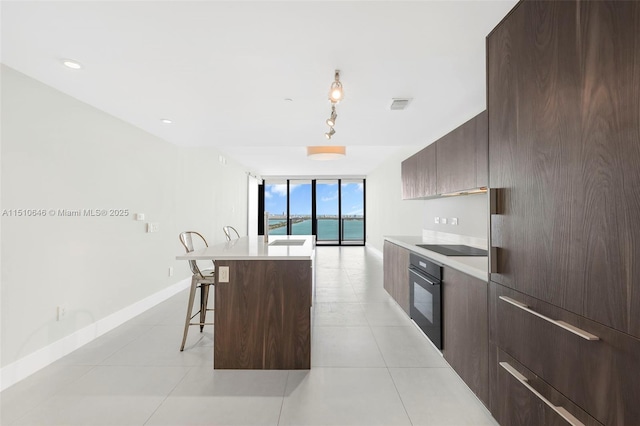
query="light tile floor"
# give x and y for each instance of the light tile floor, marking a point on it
(370, 366)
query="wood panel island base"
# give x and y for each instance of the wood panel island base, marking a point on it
(262, 315)
(263, 296)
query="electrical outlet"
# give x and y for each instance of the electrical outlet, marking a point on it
(153, 227)
(436, 219)
(223, 274)
(139, 216)
(170, 271)
(61, 312)
(443, 220)
(454, 221)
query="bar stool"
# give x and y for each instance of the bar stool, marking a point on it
(202, 278)
(228, 230)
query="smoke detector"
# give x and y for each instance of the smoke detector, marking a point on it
(398, 104)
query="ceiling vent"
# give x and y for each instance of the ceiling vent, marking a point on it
(398, 104)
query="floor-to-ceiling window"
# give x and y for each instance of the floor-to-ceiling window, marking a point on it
(275, 202)
(327, 211)
(331, 209)
(300, 207)
(352, 211)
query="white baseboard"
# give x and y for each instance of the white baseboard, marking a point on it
(26, 366)
(374, 250)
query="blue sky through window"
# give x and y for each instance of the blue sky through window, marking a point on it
(275, 198)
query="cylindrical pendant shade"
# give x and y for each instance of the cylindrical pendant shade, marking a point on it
(326, 152)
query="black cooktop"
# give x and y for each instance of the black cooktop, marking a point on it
(454, 250)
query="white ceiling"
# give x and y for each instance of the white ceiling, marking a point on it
(221, 70)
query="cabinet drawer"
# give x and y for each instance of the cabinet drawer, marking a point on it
(600, 376)
(519, 397)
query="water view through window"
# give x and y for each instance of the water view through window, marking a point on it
(338, 209)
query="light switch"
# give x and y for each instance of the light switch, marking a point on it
(139, 216)
(454, 220)
(153, 227)
(443, 220)
(436, 220)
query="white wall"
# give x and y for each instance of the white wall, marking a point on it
(59, 153)
(387, 213)
(471, 210)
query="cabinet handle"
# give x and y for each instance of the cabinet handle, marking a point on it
(562, 412)
(575, 330)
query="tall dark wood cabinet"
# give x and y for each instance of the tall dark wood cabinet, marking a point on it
(564, 168)
(564, 155)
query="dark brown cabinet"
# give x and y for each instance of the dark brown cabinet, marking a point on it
(409, 173)
(455, 162)
(263, 315)
(419, 174)
(427, 171)
(594, 366)
(564, 150)
(521, 398)
(396, 273)
(465, 329)
(462, 157)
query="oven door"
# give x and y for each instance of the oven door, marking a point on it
(425, 305)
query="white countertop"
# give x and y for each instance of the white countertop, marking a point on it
(476, 266)
(254, 248)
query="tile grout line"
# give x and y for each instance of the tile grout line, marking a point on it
(389, 372)
(284, 394)
(168, 394)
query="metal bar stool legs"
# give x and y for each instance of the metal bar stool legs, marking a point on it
(202, 312)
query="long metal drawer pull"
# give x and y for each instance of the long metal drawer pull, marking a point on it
(562, 412)
(575, 330)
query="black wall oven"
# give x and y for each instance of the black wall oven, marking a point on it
(425, 297)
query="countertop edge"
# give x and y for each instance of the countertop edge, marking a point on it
(254, 248)
(449, 261)
(245, 257)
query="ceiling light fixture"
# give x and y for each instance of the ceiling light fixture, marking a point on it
(166, 121)
(335, 92)
(330, 133)
(331, 121)
(324, 153)
(335, 95)
(74, 65)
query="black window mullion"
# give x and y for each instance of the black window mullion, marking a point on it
(288, 209)
(314, 222)
(339, 212)
(364, 211)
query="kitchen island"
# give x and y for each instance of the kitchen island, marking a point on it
(263, 295)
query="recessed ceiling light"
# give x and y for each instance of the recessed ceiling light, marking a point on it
(166, 121)
(288, 99)
(74, 65)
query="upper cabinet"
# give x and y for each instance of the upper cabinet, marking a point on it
(462, 157)
(564, 155)
(455, 162)
(419, 174)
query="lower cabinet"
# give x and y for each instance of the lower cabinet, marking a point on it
(596, 368)
(396, 273)
(465, 329)
(519, 397)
